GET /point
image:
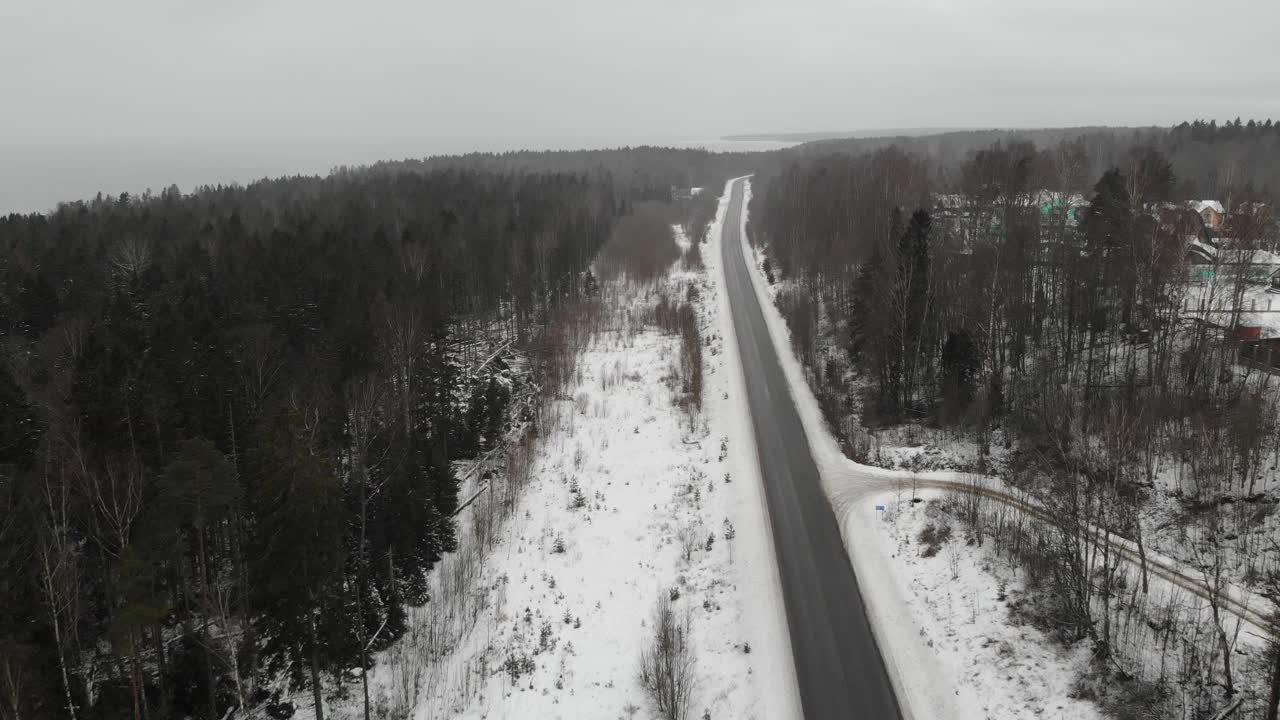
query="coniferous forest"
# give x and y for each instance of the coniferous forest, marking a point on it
(230, 420)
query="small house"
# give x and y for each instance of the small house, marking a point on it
(1211, 213)
(1054, 205)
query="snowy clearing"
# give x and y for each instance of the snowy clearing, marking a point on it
(959, 595)
(628, 499)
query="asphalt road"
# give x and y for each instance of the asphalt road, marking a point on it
(838, 664)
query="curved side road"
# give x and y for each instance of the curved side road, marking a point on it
(838, 664)
(1127, 551)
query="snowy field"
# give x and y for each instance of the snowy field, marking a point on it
(625, 504)
(958, 597)
(628, 498)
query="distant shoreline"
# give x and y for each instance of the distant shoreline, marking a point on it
(803, 137)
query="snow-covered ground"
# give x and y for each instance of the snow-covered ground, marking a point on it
(955, 597)
(628, 499)
(616, 494)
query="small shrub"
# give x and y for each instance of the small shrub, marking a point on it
(693, 261)
(933, 538)
(641, 247)
(688, 538)
(278, 709)
(518, 664)
(546, 640)
(558, 546)
(667, 663)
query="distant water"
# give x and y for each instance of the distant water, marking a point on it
(727, 145)
(36, 177)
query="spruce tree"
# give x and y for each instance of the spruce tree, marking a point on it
(298, 549)
(200, 489)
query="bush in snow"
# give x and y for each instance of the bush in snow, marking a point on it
(688, 537)
(577, 500)
(667, 662)
(518, 664)
(932, 538)
(729, 534)
(546, 639)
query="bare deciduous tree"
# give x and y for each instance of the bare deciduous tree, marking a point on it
(668, 662)
(60, 578)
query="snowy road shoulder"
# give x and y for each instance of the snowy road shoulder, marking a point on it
(628, 501)
(766, 612)
(941, 599)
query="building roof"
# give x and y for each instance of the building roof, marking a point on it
(1200, 205)
(1233, 256)
(1203, 248)
(1051, 198)
(1265, 257)
(1259, 308)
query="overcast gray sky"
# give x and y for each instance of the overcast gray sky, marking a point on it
(98, 69)
(113, 95)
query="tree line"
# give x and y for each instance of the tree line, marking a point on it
(1211, 132)
(228, 422)
(1212, 160)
